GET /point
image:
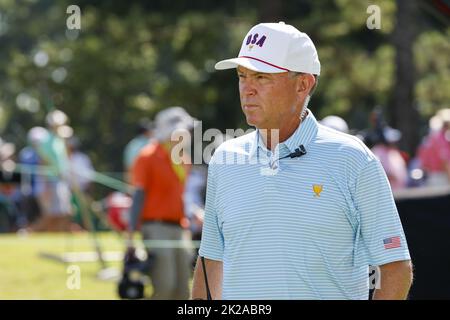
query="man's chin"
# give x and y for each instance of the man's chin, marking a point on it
(251, 121)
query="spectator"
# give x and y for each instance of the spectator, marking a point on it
(194, 199)
(55, 198)
(391, 158)
(336, 123)
(9, 180)
(158, 205)
(80, 165)
(371, 136)
(31, 184)
(434, 152)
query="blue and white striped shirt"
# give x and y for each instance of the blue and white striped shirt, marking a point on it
(307, 230)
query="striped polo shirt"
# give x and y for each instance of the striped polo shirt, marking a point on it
(299, 228)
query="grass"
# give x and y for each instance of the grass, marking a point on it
(25, 274)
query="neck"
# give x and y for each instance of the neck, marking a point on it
(272, 137)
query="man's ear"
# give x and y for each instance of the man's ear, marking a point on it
(305, 83)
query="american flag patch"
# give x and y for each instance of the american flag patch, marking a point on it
(392, 242)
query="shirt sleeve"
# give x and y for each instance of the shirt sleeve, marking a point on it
(212, 244)
(380, 236)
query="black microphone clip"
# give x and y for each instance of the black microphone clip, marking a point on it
(300, 151)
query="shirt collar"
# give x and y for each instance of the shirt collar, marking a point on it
(303, 135)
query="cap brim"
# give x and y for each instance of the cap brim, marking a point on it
(248, 63)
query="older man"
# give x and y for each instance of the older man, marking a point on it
(303, 210)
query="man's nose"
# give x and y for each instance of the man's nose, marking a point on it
(247, 87)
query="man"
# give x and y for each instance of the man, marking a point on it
(303, 210)
(158, 204)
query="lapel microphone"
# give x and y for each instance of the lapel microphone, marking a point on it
(300, 151)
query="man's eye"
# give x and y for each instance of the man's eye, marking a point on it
(260, 76)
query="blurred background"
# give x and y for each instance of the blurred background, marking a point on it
(131, 59)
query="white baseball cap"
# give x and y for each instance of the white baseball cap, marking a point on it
(392, 135)
(275, 48)
(336, 123)
(171, 119)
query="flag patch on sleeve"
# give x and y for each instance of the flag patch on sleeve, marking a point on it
(392, 242)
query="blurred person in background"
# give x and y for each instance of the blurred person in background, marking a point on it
(144, 133)
(336, 123)
(80, 178)
(33, 157)
(371, 135)
(31, 184)
(10, 217)
(194, 198)
(81, 168)
(434, 152)
(391, 158)
(194, 202)
(158, 206)
(55, 198)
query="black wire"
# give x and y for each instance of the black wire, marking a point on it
(208, 293)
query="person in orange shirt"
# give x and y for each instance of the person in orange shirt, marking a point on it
(158, 175)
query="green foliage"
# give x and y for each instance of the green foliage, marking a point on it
(432, 53)
(132, 59)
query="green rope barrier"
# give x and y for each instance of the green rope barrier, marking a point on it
(94, 176)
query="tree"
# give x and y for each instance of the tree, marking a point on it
(131, 59)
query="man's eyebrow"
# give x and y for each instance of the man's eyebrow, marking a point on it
(253, 73)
